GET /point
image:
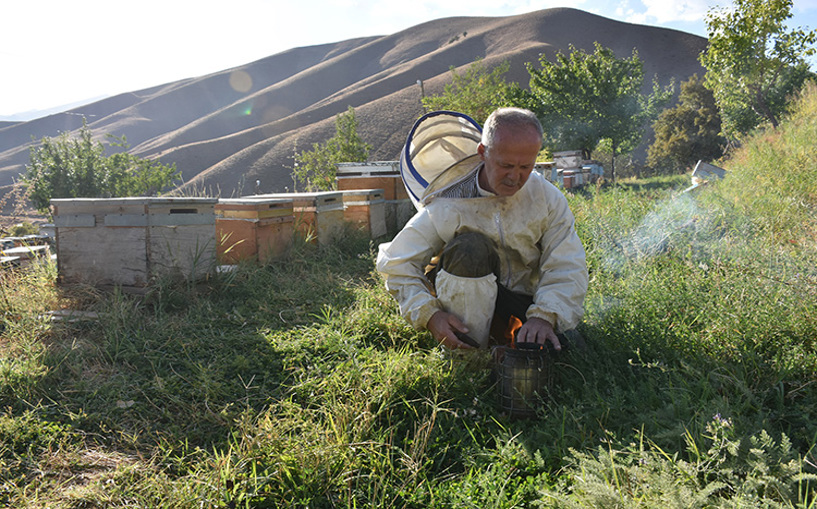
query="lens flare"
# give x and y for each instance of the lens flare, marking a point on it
(241, 81)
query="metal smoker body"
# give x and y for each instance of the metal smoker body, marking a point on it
(524, 376)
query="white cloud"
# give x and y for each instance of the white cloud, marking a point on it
(805, 5)
(627, 13)
(662, 11)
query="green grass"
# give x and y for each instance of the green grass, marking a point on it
(297, 384)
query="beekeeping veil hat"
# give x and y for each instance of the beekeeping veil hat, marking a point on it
(440, 151)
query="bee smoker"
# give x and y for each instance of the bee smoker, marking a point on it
(524, 372)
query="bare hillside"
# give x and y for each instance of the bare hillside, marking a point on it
(243, 124)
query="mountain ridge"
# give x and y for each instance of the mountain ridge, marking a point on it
(245, 123)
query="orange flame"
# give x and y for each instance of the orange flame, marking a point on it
(514, 324)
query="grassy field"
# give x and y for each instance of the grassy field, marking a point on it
(298, 385)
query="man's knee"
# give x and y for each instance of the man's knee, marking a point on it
(470, 254)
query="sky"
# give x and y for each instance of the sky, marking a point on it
(56, 53)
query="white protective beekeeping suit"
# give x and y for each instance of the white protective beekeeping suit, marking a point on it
(540, 253)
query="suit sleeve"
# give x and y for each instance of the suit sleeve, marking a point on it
(402, 262)
(563, 278)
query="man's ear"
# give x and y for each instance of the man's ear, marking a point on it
(481, 151)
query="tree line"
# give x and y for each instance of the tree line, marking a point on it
(588, 101)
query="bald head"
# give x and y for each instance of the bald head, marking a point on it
(514, 119)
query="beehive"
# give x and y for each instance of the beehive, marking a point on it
(384, 175)
(569, 179)
(128, 242)
(254, 229)
(318, 216)
(24, 255)
(366, 210)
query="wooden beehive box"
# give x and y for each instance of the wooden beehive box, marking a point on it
(256, 229)
(366, 209)
(128, 242)
(9, 261)
(318, 216)
(25, 255)
(383, 175)
(569, 179)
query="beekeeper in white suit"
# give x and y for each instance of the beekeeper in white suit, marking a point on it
(507, 242)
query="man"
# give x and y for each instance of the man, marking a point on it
(508, 247)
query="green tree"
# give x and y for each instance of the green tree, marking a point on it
(688, 132)
(78, 167)
(316, 169)
(753, 64)
(583, 98)
(477, 92)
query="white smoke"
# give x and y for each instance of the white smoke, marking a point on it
(671, 218)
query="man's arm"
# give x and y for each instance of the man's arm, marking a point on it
(402, 262)
(559, 296)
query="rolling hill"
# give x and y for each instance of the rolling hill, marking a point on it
(245, 123)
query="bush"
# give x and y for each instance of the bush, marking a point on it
(69, 167)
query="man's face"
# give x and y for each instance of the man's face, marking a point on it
(509, 160)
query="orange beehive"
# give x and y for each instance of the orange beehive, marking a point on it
(366, 209)
(254, 229)
(569, 179)
(383, 175)
(318, 216)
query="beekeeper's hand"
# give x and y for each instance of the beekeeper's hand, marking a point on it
(444, 327)
(537, 330)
